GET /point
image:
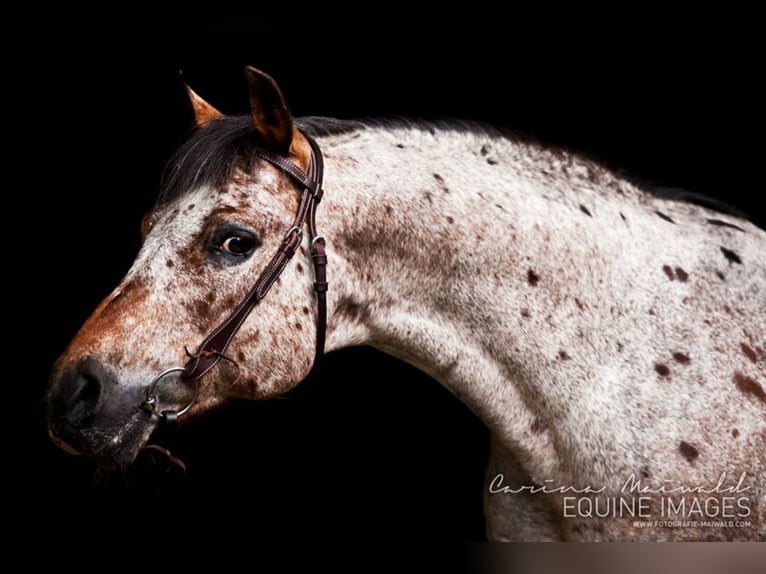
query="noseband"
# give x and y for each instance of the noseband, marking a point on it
(214, 346)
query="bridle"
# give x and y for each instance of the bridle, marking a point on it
(214, 346)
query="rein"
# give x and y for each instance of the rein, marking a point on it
(214, 346)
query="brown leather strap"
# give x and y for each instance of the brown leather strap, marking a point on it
(213, 347)
(319, 259)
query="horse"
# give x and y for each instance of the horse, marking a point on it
(611, 339)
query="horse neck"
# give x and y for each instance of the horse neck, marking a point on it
(444, 245)
(570, 311)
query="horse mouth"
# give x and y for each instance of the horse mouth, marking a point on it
(111, 448)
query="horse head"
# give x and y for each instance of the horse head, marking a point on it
(222, 213)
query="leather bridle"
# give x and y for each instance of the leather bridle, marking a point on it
(214, 346)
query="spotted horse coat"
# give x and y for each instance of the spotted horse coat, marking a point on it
(612, 340)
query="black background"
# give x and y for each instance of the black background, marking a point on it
(377, 450)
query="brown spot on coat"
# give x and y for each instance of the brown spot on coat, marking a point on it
(681, 275)
(251, 386)
(305, 310)
(731, 256)
(169, 263)
(749, 352)
(442, 184)
(580, 304)
(662, 370)
(224, 210)
(720, 275)
(450, 220)
(202, 308)
(564, 356)
(299, 267)
(749, 386)
(537, 426)
(689, 452)
(663, 216)
(191, 253)
(532, 278)
(252, 338)
(735, 433)
(353, 310)
(585, 210)
(669, 272)
(681, 358)
(721, 223)
(525, 313)
(645, 472)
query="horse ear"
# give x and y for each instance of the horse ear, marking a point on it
(272, 118)
(204, 113)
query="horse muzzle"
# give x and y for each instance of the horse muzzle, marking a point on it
(89, 413)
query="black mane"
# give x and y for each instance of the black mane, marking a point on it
(212, 154)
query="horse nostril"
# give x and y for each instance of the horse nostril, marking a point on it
(84, 396)
(77, 393)
(78, 405)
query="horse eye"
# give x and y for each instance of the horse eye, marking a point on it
(239, 244)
